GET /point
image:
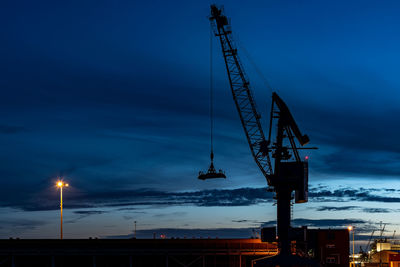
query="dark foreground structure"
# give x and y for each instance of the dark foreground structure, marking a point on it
(133, 252)
(330, 248)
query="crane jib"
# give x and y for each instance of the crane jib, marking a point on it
(242, 94)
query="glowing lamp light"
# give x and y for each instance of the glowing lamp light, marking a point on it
(62, 184)
(350, 228)
(307, 157)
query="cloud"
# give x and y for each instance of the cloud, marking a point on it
(206, 198)
(89, 212)
(128, 199)
(240, 221)
(174, 214)
(350, 139)
(351, 194)
(124, 199)
(24, 224)
(83, 214)
(366, 210)
(377, 210)
(320, 222)
(331, 208)
(358, 162)
(391, 190)
(133, 210)
(255, 223)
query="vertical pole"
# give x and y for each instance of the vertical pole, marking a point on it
(283, 195)
(135, 230)
(351, 262)
(353, 246)
(350, 248)
(130, 261)
(283, 212)
(61, 208)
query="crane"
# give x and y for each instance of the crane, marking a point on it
(285, 175)
(382, 230)
(369, 241)
(366, 254)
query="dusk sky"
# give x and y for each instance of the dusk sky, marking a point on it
(113, 96)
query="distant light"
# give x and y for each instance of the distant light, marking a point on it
(307, 157)
(350, 228)
(62, 184)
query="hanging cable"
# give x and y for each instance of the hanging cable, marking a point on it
(211, 96)
(211, 173)
(250, 59)
(263, 78)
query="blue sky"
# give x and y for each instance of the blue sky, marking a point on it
(113, 96)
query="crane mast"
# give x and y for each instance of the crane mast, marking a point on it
(285, 176)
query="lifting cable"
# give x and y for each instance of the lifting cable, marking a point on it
(252, 62)
(211, 173)
(211, 95)
(266, 82)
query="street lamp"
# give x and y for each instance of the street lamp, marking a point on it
(61, 184)
(351, 228)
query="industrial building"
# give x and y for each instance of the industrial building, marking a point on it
(327, 247)
(133, 252)
(384, 254)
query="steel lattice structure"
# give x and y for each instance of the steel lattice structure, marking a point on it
(242, 94)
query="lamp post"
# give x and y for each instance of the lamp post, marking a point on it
(351, 229)
(61, 184)
(135, 230)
